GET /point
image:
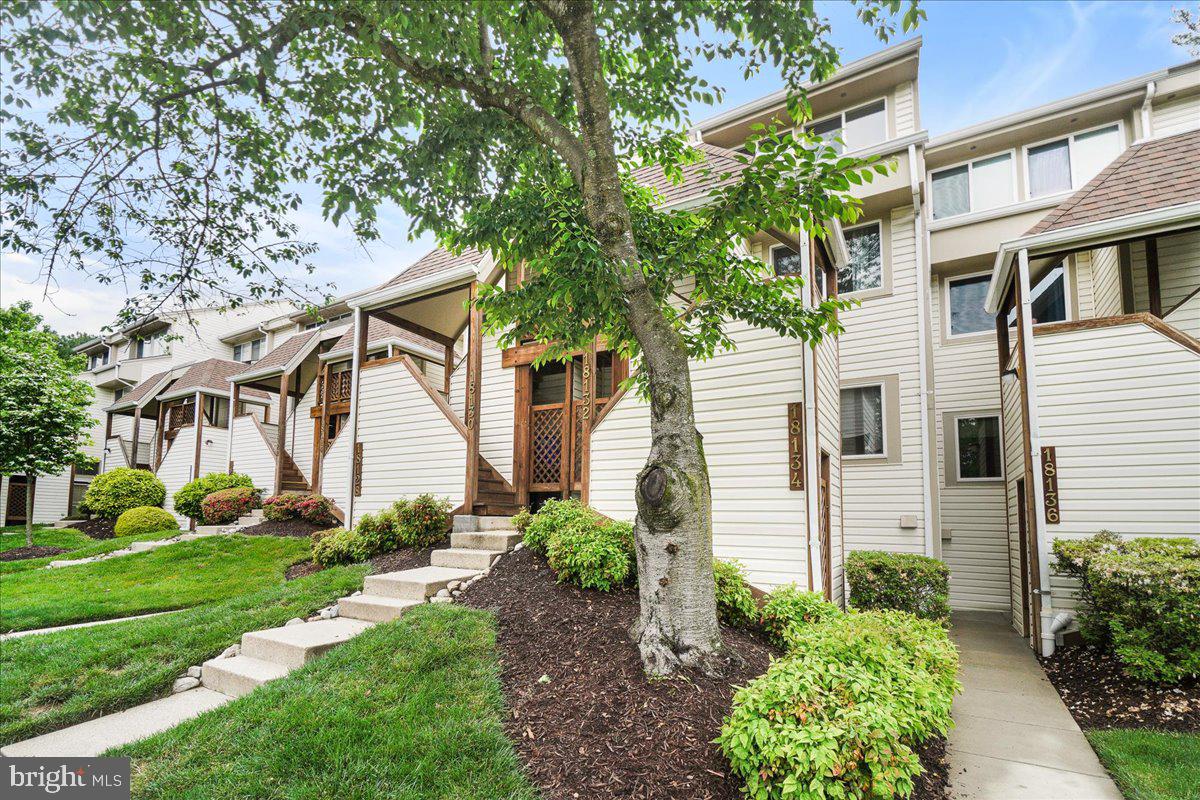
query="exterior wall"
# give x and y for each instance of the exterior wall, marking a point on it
(335, 470)
(51, 496)
(1176, 116)
(973, 525)
(497, 406)
(829, 434)
(252, 455)
(176, 468)
(1187, 316)
(300, 432)
(741, 402)
(1105, 282)
(906, 114)
(1178, 270)
(409, 446)
(1014, 470)
(881, 342)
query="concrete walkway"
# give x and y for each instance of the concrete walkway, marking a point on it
(18, 634)
(1013, 737)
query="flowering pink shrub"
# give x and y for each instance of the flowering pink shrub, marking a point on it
(293, 505)
(226, 505)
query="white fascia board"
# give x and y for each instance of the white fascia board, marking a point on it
(380, 298)
(399, 344)
(1148, 223)
(205, 390)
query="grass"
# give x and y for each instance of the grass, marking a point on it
(408, 709)
(175, 576)
(88, 547)
(53, 680)
(13, 536)
(1151, 765)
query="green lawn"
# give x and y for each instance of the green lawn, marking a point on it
(53, 680)
(175, 576)
(14, 536)
(409, 709)
(1151, 765)
(86, 548)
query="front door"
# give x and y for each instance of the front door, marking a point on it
(551, 430)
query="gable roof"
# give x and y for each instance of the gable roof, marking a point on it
(379, 330)
(698, 179)
(1154, 174)
(432, 263)
(142, 391)
(211, 375)
(278, 358)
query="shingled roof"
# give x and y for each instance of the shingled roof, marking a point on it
(281, 355)
(138, 393)
(434, 262)
(698, 179)
(1159, 173)
(212, 375)
(379, 330)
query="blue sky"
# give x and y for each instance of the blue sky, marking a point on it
(979, 60)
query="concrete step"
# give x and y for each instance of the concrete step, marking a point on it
(239, 675)
(374, 608)
(414, 584)
(501, 540)
(209, 530)
(293, 646)
(464, 558)
(141, 547)
(464, 523)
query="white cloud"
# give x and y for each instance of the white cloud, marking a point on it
(71, 304)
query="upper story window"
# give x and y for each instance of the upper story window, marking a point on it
(1047, 298)
(153, 345)
(1068, 163)
(308, 326)
(249, 352)
(786, 261)
(856, 128)
(864, 268)
(97, 360)
(965, 297)
(975, 186)
(118, 394)
(979, 453)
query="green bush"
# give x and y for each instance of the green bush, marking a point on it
(309, 507)
(112, 493)
(842, 714)
(190, 497)
(422, 521)
(901, 581)
(790, 609)
(145, 519)
(593, 557)
(380, 532)
(521, 520)
(557, 515)
(226, 505)
(1141, 597)
(735, 602)
(340, 546)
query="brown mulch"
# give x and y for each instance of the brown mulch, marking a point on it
(34, 551)
(284, 527)
(96, 527)
(300, 569)
(584, 718)
(406, 558)
(1099, 695)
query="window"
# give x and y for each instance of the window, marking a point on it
(1070, 162)
(146, 347)
(976, 186)
(862, 421)
(864, 269)
(216, 411)
(118, 394)
(249, 352)
(1048, 299)
(966, 296)
(786, 261)
(97, 360)
(857, 128)
(978, 448)
(320, 323)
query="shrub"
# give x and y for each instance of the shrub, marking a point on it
(735, 601)
(917, 584)
(316, 536)
(556, 515)
(840, 716)
(190, 498)
(112, 493)
(145, 519)
(593, 556)
(789, 609)
(1141, 596)
(521, 520)
(422, 521)
(340, 546)
(380, 532)
(312, 508)
(226, 505)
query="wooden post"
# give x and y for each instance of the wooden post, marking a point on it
(137, 432)
(362, 321)
(1153, 287)
(104, 445)
(566, 450)
(198, 427)
(1024, 331)
(235, 396)
(449, 368)
(474, 370)
(160, 429)
(322, 426)
(281, 439)
(588, 410)
(522, 397)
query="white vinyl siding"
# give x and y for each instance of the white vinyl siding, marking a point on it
(829, 439)
(252, 455)
(1106, 282)
(1175, 116)
(51, 495)
(176, 468)
(497, 399)
(300, 432)
(1014, 469)
(335, 470)
(906, 109)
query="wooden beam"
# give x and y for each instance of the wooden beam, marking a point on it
(474, 381)
(1152, 279)
(1030, 509)
(107, 435)
(198, 427)
(235, 396)
(322, 426)
(281, 438)
(412, 327)
(137, 432)
(588, 409)
(160, 428)
(522, 397)
(447, 368)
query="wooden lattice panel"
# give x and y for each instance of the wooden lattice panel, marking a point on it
(545, 445)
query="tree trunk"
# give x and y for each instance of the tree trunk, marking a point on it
(678, 626)
(28, 511)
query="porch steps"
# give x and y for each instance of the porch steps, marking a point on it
(495, 497)
(464, 558)
(498, 541)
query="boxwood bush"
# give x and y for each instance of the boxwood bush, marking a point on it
(189, 498)
(901, 581)
(225, 506)
(1141, 597)
(735, 602)
(112, 493)
(593, 556)
(789, 609)
(145, 519)
(339, 546)
(842, 713)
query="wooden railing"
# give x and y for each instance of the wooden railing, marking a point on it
(181, 416)
(334, 387)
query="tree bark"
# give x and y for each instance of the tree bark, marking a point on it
(28, 511)
(677, 627)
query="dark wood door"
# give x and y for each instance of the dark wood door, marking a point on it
(1027, 621)
(15, 502)
(825, 517)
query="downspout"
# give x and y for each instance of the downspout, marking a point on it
(812, 458)
(932, 543)
(355, 362)
(1035, 454)
(1147, 119)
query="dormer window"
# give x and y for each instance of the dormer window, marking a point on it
(249, 352)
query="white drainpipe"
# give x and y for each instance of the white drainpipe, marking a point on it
(355, 362)
(1147, 119)
(232, 414)
(932, 543)
(812, 465)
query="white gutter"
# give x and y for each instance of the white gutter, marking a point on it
(1147, 119)
(355, 365)
(932, 543)
(1148, 223)
(392, 341)
(376, 298)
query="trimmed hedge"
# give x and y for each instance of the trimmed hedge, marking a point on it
(735, 602)
(190, 497)
(112, 493)
(226, 505)
(901, 581)
(842, 714)
(1141, 597)
(145, 519)
(582, 546)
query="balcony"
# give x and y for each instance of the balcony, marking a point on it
(333, 388)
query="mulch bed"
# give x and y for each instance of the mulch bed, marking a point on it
(388, 562)
(584, 718)
(96, 528)
(35, 551)
(284, 527)
(1100, 696)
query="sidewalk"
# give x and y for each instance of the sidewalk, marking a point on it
(1013, 737)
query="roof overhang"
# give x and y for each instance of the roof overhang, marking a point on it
(400, 344)
(250, 375)
(1081, 237)
(208, 390)
(126, 406)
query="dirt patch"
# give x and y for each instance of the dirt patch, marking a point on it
(1099, 695)
(284, 527)
(36, 551)
(300, 569)
(582, 714)
(96, 528)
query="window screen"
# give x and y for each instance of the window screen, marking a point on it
(866, 126)
(967, 314)
(1049, 168)
(951, 192)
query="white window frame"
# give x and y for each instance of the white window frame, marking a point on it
(148, 344)
(1070, 137)
(970, 165)
(883, 419)
(878, 225)
(1068, 292)
(950, 335)
(771, 261)
(840, 116)
(249, 343)
(958, 446)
